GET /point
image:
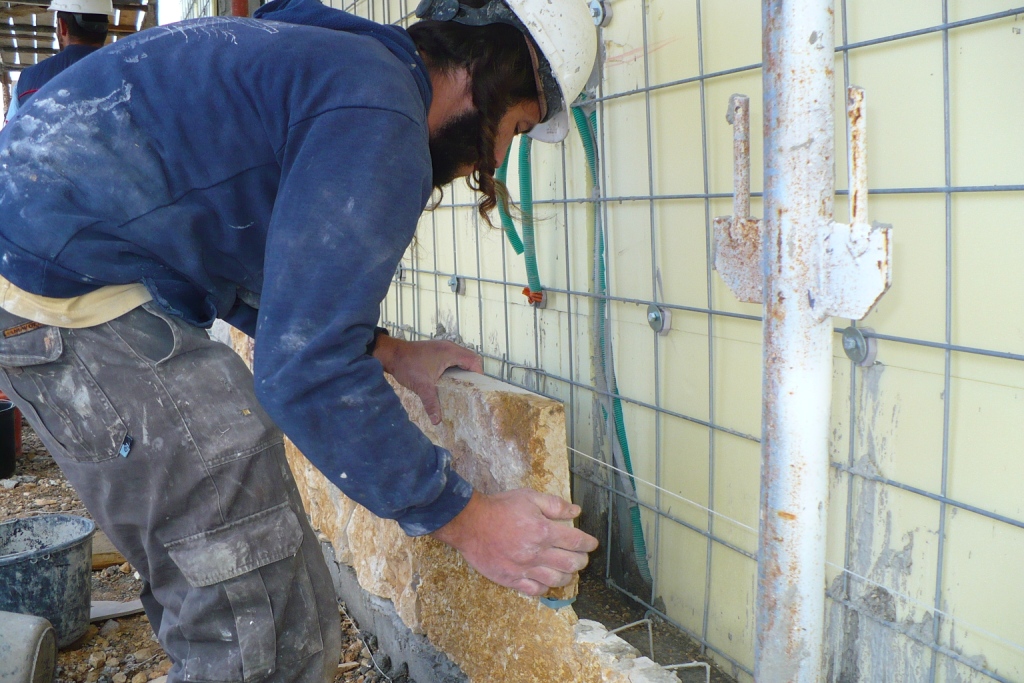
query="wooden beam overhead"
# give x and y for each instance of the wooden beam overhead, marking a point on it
(10, 50)
(29, 29)
(23, 11)
(46, 3)
(26, 35)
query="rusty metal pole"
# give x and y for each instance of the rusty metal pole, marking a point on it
(799, 182)
(805, 268)
(239, 8)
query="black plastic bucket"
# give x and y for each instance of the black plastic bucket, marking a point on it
(46, 571)
(7, 441)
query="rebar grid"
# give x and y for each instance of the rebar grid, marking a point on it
(568, 384)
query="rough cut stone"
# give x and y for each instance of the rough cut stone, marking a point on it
(619, 661)
(501, 437)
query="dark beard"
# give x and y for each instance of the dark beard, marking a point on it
(455, 145)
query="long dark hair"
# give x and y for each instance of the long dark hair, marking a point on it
(501, 75)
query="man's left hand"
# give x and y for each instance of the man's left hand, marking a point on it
(419, 365)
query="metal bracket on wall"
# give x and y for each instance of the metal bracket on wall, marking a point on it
(855, 269)
(738, 237)
(457, 284)
(861, 349)
(660, 319)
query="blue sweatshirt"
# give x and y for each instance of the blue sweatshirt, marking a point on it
(36, 76)
(283, 159)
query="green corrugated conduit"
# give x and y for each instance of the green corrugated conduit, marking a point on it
(506, 219)
(586, 130)
(526, 205)
(528, 247)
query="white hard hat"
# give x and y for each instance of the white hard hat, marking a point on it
(564, 32)
(82, 6)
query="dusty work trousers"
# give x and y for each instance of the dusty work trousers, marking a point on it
(158, 429)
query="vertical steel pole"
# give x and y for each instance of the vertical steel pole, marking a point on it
(799, 180)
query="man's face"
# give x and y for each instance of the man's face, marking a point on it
(454, 148)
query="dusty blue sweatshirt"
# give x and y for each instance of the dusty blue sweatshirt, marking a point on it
(283, 159)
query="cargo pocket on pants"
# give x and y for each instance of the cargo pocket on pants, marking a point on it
(58, 394)
(250, 605)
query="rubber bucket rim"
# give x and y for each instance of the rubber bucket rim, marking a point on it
(90, 526)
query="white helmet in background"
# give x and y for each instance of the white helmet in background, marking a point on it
(562, 30)
(82, 6)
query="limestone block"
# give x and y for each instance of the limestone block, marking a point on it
(328, 508)
(619, 661)
(243, 344)
(501, 437)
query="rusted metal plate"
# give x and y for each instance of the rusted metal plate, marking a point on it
(738, 238)
(856, 268)
(738, 256)
(857, 156)
(856, 259)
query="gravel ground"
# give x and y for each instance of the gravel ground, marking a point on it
(125, 650)
(601, 603)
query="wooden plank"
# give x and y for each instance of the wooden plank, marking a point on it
(102, 610)
(149, 21)
(8, 49)
(104, 554)
(26, 11)
(27, 35)
(39, 5)
(5, 82)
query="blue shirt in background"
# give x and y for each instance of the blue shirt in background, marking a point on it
(35, 76)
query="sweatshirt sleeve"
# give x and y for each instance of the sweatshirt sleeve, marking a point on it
(353, 185)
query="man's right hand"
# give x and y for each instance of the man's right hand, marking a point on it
(519, 539)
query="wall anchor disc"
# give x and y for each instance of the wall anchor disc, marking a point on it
(660, 319)
(860, 349)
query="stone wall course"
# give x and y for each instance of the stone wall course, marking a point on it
(501, 437)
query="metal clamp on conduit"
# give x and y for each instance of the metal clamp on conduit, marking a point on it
(856, 258)
(738, 237)
(855, 272)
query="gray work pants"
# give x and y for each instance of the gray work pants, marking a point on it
(159, 431)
